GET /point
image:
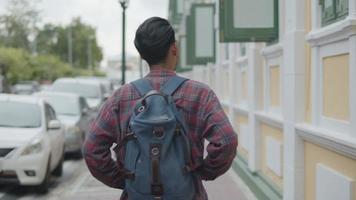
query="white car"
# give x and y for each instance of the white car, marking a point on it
(73, 111)
(92, 91)
(108, 85)
(31, 142)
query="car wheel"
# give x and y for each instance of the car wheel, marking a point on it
(78, 155)
(58, 171)
(43, 187)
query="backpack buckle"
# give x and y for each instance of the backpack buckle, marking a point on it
(129, 176)
(178, 129)
(130, 136)
(157, 190)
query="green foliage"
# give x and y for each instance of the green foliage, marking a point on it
(18, 24)
(17, 64)
(28, 52)
(78, 36)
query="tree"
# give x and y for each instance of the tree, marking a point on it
(77, 37)
(18, 25)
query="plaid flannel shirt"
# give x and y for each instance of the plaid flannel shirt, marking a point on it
(203, 114)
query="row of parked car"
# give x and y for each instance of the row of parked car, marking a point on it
(37, 130)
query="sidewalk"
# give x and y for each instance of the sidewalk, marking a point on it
(227, 187)
(77, 183)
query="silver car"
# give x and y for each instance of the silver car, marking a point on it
(92, 91)
(73, 111)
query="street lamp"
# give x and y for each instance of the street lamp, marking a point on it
(124, 4)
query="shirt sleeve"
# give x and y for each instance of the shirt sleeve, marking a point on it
(96, 149)
(222, 139)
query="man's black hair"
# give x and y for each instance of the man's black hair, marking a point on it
(153, 39)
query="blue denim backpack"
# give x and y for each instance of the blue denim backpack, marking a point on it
(157, 154)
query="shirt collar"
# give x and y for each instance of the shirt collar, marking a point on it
(161, 72)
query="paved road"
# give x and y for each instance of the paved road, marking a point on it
(77, 184)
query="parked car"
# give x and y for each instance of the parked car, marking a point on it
(92, 91)
(73, 111)
(108, 85)
(45, 87)
(116, 83)
(26, 87)
(31, 141)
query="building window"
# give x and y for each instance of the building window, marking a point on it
(333, 11)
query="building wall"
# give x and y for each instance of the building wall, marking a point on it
(292, 103)
(272, 159)
(343, 166)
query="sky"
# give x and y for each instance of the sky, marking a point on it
(106, 16)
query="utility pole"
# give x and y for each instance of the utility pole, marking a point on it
(90, 54)
(70, 46)
(124, 5)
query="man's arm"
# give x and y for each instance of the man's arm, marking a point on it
(222, 139)
(96, 148)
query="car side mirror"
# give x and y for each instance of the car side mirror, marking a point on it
(54, 125)
(85, 111)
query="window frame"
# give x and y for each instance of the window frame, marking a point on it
(192, 59)
(334, 13)
(228, 33)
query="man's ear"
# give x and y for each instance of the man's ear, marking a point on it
(174, 49)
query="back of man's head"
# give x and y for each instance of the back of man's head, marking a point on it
(153, 40)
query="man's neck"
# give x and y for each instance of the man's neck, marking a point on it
(161, 67)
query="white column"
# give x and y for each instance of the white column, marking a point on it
(254, 95)
(316, 14)
(293, 99)
(232, 79)
(352, 85)
(218, 72)
(352, 8)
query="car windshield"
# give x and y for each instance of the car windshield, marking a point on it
(20, 115)
(63, 105)
(85, 90)
(24, 87)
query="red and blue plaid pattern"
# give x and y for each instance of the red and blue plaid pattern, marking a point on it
(202, 111)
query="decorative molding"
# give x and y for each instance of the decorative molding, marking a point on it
(272, 51)
(242, 60)
(241, 109)
(331, 140)
(225, 103)
(270, 119)
(332, 33)
(225, 64)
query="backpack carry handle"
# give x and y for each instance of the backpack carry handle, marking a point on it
(153, 93)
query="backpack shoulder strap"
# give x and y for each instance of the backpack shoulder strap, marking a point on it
(173, 84)
(143, 86)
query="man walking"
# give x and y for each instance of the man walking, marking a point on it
(198, 105)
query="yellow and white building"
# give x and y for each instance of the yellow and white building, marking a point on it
(292, 100)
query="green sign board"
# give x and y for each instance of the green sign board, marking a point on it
(248, 20)
(176, 10)
(201, 43)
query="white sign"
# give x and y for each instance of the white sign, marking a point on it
(253, 13)
(204, 32)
